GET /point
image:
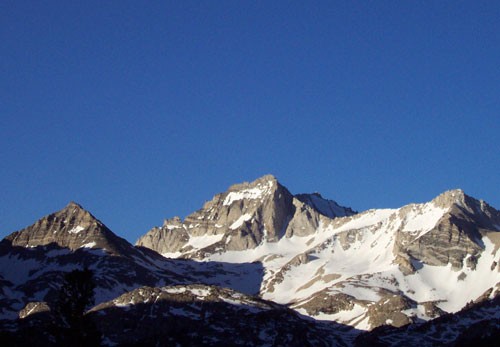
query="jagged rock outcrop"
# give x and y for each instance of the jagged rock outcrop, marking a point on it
(238, 219)
(476, 325)
(208, 316)
(456, 235)
(34, 308)
(327, 303)
(389, 310)
(72, 227)
(242, 218)
(328, 208)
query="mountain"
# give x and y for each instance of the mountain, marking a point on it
(72, 227)
(362, 269)
(244, 217)
(34, 260)
(138, 291)
(257, 265)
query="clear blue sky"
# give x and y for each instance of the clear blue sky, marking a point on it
(141, 111)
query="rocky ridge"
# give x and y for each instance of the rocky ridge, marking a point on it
(292, 256)
(358, 269)
(208, 316)
(475, 325)
(244, 217)
(72, 227)
(33, 261)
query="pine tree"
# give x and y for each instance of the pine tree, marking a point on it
(76, 295)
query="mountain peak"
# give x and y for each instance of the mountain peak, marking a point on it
(454, 193)
(451, 197)
(72, 227)
(73, 204)
(478, 211)
(324, 206)
(258, 189)
(266, 180)
(246, 215)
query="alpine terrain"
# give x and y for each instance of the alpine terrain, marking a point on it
(259, 266)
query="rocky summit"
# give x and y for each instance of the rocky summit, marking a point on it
(258, 265)
(244, 217)
(73, 227)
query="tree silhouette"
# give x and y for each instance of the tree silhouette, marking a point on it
(76, 295)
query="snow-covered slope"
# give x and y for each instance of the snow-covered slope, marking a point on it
(259, 245)
(355, 257)
(387, 266)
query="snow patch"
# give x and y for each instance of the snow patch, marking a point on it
(239, 222)
(200, 292)
(251, 193)
(175, 290)
(432, 283)
(76, 230)
(89, 245)
(423, 219)
(199, 242)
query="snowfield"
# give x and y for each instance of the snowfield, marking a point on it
(354, 255)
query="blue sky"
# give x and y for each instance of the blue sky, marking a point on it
(141, 111)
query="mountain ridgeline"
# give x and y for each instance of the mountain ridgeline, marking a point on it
(269, 267)
(242, 218)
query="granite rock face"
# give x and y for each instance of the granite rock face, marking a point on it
(476, 325)
(369, 269)
(242, 218)
(456, 237)
(72, 227)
